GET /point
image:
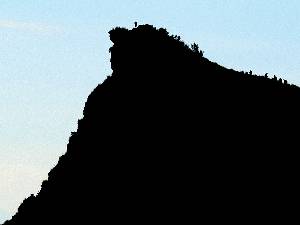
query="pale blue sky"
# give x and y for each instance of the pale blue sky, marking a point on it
(53, 53)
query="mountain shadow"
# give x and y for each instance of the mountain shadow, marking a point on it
(173, 137)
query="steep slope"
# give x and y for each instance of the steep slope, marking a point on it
(172, 137)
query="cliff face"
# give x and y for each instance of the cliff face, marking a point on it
(172, 137)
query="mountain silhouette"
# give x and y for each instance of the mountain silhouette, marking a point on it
(173, 137)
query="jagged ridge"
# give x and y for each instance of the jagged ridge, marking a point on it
(171, 137)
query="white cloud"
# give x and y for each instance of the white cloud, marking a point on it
(29, 26)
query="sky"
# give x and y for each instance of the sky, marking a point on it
(54, 53)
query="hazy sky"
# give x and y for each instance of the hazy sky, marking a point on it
(53, 53)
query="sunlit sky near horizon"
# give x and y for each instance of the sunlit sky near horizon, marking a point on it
(54, 53)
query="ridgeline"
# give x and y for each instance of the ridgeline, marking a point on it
(172, 137)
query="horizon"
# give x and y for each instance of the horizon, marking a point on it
(53, 54)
